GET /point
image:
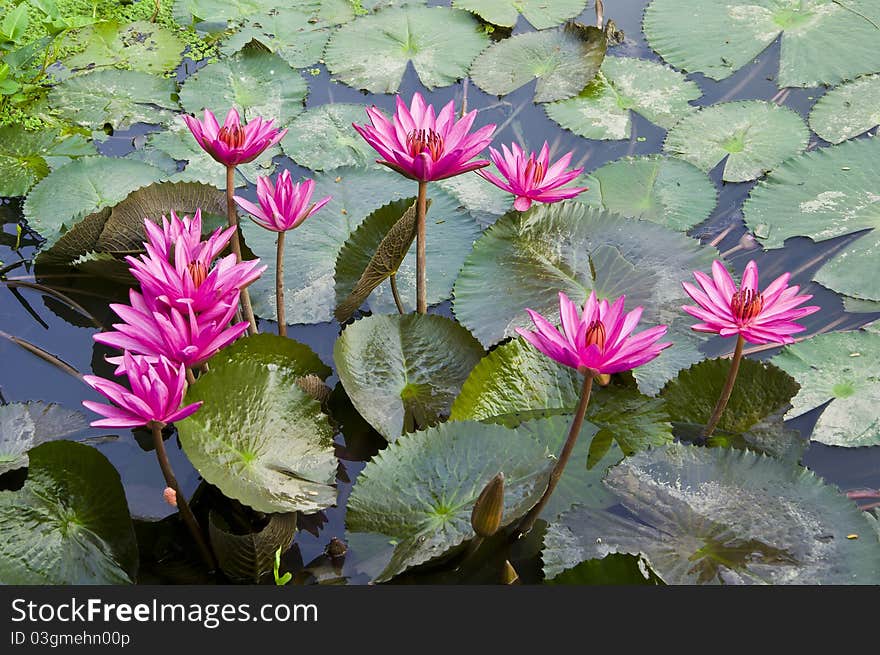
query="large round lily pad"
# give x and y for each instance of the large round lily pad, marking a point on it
(258, 437)
(26, 425)
(721, 516)
(823, 41)
(526, 259)
(403, 372)
(322, 138)
(844, 368)
(625, 84)
(563, 60)
(69, 524)
(752, 135)
(823, 194)
(140, 46)
(540, 13)
(372, 51)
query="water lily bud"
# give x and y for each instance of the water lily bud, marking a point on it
(170, 496)
(509, 574)
(487, 512)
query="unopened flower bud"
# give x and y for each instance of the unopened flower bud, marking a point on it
(489, 508)
(509, 574)
(170, 496)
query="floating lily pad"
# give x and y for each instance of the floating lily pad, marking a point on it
(419, 492)
(292, 33)
(612, 570)
(247, 557)
(69, 523)
(140, 46)
(311, 250)
(721, 516)
(69, 193)
(625, 84)
(322, 138)
(440, 42)
(215, 15)
(525, 259)
(660, 189)
(540, 13)
(848, 110)
(114, 97)
(485, 201)
(823, 41)
(403, 372)
(752, 135)
(255, 82)
(563, 60)
(844, 368)
(25, 425)
(26, 157)
(259, 438)
(823, 194)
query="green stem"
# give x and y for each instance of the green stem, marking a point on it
(726, 391)
(576, 425)
(232, 219)
(421, 277)
(279, 286)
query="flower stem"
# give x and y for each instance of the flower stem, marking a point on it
(182, 505)
(421, 278)
(190, 376)
(279, 286)
(232, 218)
(576, 424)
(726, 391)
(395, 293)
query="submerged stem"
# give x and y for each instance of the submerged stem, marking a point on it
(182, 505)
(576, 425)
(232, 219)
(279, 286)
(726, 390)
(395, 293)
(421, 278)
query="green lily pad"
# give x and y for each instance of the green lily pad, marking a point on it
(485, 201)
(217, 14)
(394, 37)
(259, 438)
(721, 516)
(752, 135)
(563, 60)
(27, 157)
(540, 13)
(140, 46)
(69, 524)
(247, 557)
(823, 194)
(293, 33)
(660, 189)
(844, 368)
(602, 109)
(255, 82)
(311, 250)
(403, 372)
(322, 138)
(67, 194)
(848, 110)
(823, 41)
(525, 259)
(116, 97)
(419, 492)
(25, 425)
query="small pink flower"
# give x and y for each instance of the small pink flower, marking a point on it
(760, 317)
(157, 390)
(599, 341)
(532, 177)
(425, 147)
(283, 206)
(233, 143)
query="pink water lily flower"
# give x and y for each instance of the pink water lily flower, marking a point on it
(424, 146)
(181, 336)
(758, 316)
(532, 178)
(233, 143)
(284, 205)
(157, 390)
(597, 341)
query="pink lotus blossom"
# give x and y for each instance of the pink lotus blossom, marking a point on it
(425, 147)
(181, 336)
(157, 390)
(598, 341)
(532, 177)
(760, 317)
(233, 143)
(283, 206)
(186, 234)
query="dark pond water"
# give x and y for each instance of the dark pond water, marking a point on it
(65, 333)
